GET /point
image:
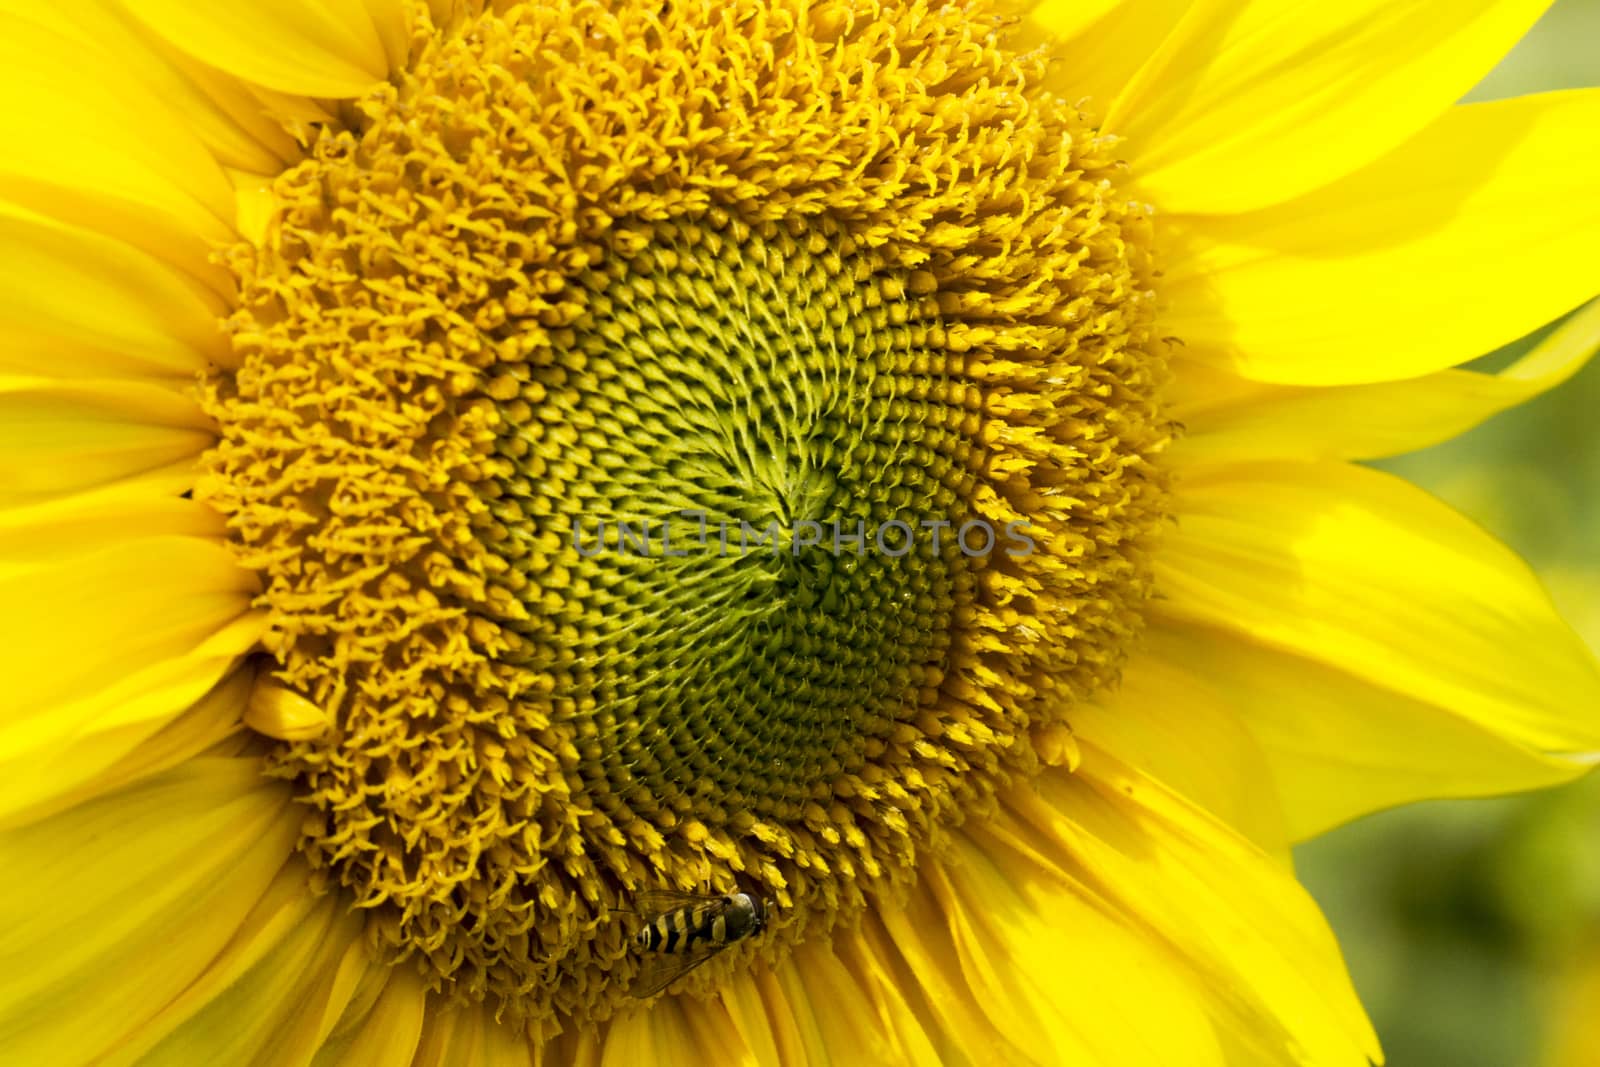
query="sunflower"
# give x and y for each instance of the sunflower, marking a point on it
(971, 396)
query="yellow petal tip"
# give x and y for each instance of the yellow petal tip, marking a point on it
(280, 713)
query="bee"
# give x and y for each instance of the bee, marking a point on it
(683, 930)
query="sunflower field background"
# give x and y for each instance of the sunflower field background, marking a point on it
(1472, 928)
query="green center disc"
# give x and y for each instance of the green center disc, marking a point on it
(765, 453)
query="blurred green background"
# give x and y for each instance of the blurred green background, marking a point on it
(1472, 928)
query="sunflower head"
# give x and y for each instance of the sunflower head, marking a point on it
(690, 480)
(816, 302)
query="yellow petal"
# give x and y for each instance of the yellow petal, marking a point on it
(132, 634)
(1254, 420)
(675, 1031)
(76, 304)
(61, 437)
(276, 711)
(105, 152)
(1016, 939)
(76, 525)
(1250, 939)
(1172, 728)
(909, 1024)
(383, 1030)
(273, 994)
(1102, 43)
(222, 111)
(1252, 103)
(1475, 233)
(911, 941)
(773, 1027)
(988, 962)
(330, 48)
(453, 1035)
(570, 1048)
(1362, 572)
(847, 1005)
(1333, 746)
(114, 908)
(747, 1012)
(82, 765)
(393, 22)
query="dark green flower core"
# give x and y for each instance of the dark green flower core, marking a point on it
(739, 382)
(741, 271)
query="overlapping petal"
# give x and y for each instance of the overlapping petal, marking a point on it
(166, 869)
(1331, 746)
(1250, 103)
(115, 643)
(318, 48)
(227, 117)
(1475, 233)
(61, 437)
(380, 1026)
(1363, 573)
(1228, 419)
(1224, 920)
(106, 153)
(77, 304)
(1103, 43)
(274, 992)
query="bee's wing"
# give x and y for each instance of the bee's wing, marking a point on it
(653, 902)
(660, 970)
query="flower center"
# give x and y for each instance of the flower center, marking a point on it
(699, 446)
(762, 404)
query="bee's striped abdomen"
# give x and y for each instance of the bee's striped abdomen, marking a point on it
(683, 928)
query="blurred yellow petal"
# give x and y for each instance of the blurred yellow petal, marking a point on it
(1333, 746)
(273, 994)
(910, 1025)
(570, 1048)
(1254, 102)
(1102, 43)
(106, 153)
(1254, 420)
(81, 765)
(1572, 1035)
(675, 1032)
(1474, 234)
(454, 1035)
(1160, 721)
(79, 524)
(392, 19)
(114, 908)
(69, 436)
(330, 48)
(859, 1011)
(222, 111)
(1015, 937)
(130, 635)
(384, 1030)
(75, 304)
(1250, 936)
(1362, 572)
